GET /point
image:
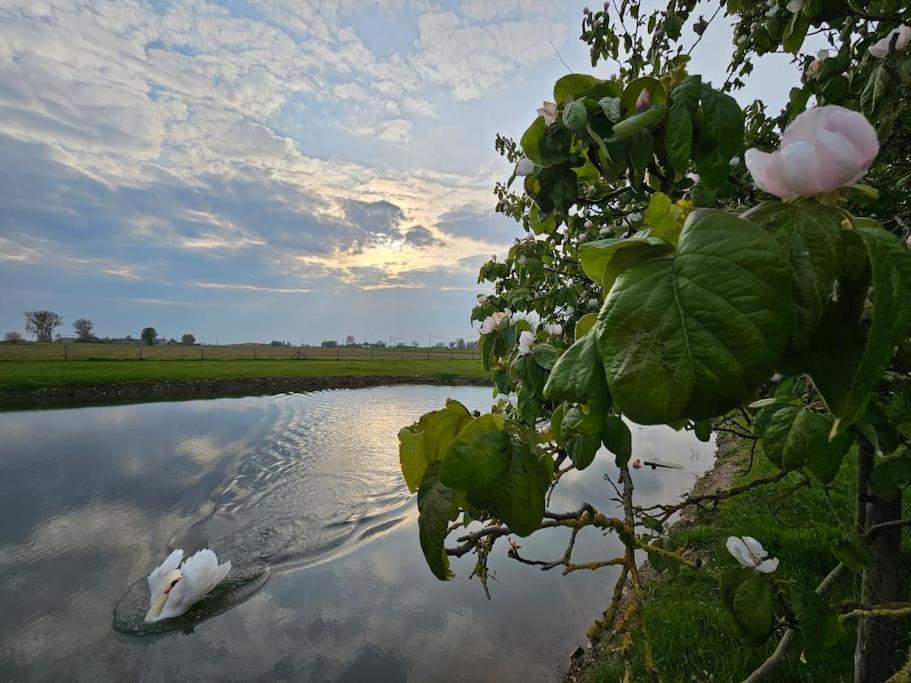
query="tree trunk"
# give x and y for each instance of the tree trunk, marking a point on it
(876, 655)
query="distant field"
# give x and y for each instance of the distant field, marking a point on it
(23, 352)
(27, 375)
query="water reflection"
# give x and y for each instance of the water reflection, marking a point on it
(306, 486)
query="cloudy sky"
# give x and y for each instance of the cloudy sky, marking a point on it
(269, 169)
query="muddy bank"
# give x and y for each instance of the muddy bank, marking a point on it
(186, 389)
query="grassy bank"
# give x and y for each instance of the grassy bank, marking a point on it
(693, 637)
(33, 375)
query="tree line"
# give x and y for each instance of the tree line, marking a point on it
(41, 325)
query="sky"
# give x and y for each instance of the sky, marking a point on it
(249, 170)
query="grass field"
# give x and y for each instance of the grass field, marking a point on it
(693, 637)
(27, 375)
(22, 352)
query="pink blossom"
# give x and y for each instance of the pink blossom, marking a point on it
(902, 36)
(644, 101)
(822, 150)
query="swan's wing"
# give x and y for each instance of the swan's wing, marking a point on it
(156, 578)
(202, 573)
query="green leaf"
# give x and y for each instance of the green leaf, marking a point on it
(892, 473)
(572, 85)
(846, 372)
(695, 335)
(581, 433)
(531, 140)
(681, 115)
(810, 234)
(435, 509)
(428, 439)
(637, 123)
(877, 89)
(618, 439)
(720, 137)
(795, 32)
(584, 324)
(603, 260)
(575, 116)
(703, 430)
(798, 436)
(474, 460)
(497, 344)
(545, 355)
(664, 218)
(731, 579)
(852, 553)
(500, 473)
(754, 607)
(819, 624)
(578, 375)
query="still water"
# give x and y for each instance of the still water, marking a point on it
(303, 494)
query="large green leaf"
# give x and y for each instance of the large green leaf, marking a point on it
(435, 509)
(811, 236)
(428, 439)
(578, 375)
(819, 624)
(694, 335)
(581, 432)
(798, 436)
(603, 260)
(572, 85)
(617, 439)
(754, 607)
(500, 472)
(664, 218)
(720, 137)
(681, 116)
(847, 357)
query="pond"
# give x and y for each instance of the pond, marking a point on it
(303, 494)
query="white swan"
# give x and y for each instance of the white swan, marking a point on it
(176, 587)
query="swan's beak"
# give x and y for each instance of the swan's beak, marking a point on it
(155, 610)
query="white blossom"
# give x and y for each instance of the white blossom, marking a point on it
(522, 260)
(549, 111)
(750, 553)
(554, 329)
(525, 166)
(526, 340)
(794, 6)
(492, 322)
(735, 161)
(588, 225)
(482, 299)
(634, 217)
(593, 302)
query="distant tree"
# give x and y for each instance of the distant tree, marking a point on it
(172, 342)
(83, 328)
(380, 344)
(13, 337)
(42, 324)
(349, 340)
(471, 345)
(460, 343)
(275, 342)
(188, 339)
(148, 335)
(329, 344)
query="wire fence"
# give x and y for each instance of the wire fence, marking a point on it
(58, 351)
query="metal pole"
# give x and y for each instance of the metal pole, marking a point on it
(65, 357)
(140, 352)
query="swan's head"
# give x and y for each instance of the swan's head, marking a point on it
(164, 590)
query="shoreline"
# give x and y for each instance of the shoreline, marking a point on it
(721, 476)
(191, 389)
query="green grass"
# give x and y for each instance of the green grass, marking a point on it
(693, 638)
(25, 375)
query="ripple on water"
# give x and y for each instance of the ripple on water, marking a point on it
(325, 479)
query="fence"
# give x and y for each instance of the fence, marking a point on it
(56, 351)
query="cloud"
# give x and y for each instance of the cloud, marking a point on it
(420, 236)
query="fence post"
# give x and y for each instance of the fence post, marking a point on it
(371, 353)
(338, 353)
(140, 352)
(403, 355)
(254, 352)
(65, 356)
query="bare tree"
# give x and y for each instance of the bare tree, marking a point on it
(349, 340)
(188, 339)
(42, 324)
(83, 328)
(148, 335)
(13, 337)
